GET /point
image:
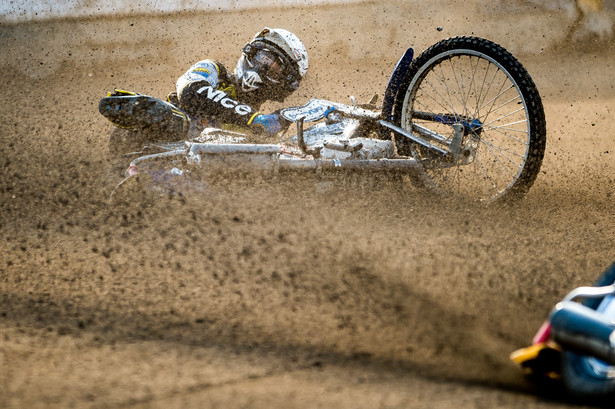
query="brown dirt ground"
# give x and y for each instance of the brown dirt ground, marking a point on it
(278, 295)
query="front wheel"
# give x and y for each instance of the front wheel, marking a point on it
(587, 376)
(472, 98)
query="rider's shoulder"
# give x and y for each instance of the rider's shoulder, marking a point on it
(208, 67)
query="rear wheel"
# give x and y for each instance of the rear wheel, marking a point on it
(475, 89)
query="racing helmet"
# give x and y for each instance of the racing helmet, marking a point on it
(273, 63)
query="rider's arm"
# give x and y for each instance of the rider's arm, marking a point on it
(271, 124)
(203, 94)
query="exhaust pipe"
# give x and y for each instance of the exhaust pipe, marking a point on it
(583, 330)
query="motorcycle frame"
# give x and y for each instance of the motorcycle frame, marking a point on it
(270, 157)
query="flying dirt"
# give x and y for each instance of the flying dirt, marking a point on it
(289, 294)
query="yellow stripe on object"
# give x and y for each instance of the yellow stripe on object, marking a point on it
(252, 119)
(184, 116)
(124, 92)
(216, 65)
(526, 354)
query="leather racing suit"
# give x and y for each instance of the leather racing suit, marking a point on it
(207, 91)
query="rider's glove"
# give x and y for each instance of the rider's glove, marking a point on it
(271, 124)
(329, 110)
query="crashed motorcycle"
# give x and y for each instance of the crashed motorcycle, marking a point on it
(464, 119)
(576, 344)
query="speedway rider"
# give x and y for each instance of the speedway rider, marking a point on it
(271, 67)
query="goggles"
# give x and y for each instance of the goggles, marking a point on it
(266, 63)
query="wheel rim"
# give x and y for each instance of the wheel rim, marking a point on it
(470, 84)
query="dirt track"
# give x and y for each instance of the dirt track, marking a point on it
(280, 296)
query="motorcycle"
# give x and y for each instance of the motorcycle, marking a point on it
(576, 344)
(464, 119)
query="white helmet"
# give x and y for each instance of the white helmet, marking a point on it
(274, 59)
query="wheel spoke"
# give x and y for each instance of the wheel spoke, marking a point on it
(498, 130)
(493, 185)
(482, 96)
(492, 149)
(505, 116)
(437, 92)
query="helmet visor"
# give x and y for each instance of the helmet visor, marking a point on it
(267, 64)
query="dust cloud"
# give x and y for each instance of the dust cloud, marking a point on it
(284, 294)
